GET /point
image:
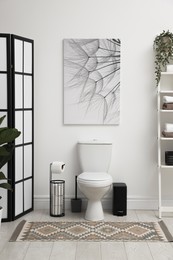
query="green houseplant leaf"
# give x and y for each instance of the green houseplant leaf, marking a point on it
(2, 176)
(7, 136)
(5, 185)
(4, 158)
(1, 119)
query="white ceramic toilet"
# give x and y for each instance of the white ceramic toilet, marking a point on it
(94, 182)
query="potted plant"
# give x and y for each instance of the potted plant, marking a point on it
(163, 46)
(7, 136)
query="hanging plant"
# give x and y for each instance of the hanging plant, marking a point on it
(163, 46)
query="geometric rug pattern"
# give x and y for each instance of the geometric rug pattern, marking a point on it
(91, 231)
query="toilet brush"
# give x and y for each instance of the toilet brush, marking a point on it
(76, 187)
(76, 203)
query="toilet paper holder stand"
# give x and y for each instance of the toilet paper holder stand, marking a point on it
(57, 196)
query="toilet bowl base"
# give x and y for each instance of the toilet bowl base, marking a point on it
(94, 211)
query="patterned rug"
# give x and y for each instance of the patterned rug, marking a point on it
(91, 231)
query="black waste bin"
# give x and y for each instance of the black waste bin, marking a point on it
(119, 206)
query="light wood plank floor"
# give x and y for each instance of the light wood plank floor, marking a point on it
(85, 250)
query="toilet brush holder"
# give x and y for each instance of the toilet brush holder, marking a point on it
(76, 204)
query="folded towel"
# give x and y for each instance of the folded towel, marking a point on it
(167, 134)
(168, 106)
(167, 99)
(168, 127)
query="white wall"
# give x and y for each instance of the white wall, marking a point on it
(136, 23)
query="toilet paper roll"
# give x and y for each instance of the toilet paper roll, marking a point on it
(57, 167)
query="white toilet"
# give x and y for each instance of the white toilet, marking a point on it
(94, 182)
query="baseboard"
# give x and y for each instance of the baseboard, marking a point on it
(143, 203)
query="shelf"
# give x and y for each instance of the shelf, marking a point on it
(166, 138)
(166, 91)
(164, 166)
(166, 111)
(166, 73)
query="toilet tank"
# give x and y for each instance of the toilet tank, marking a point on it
(95, 155)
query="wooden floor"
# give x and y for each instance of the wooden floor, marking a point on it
(85, 250)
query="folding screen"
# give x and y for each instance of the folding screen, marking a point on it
(16, 83)
(4, 101)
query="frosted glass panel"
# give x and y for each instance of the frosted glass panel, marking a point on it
(4, 169)
(27, 194)
(27, 92)
(27, 57)
(3, 194)
(27, 126)
(18, 55)
(18, 91)
(18, 163)
(3, 91)
(18, 198)
(27, 161)
(3, 54)
(19, 126)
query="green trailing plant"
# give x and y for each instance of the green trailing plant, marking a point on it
(7, 136)
(163, 46)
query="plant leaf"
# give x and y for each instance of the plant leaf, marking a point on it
(4, 159)
(2, 176)
(3, 151)
(1, 119)
(8, 135)
(6, 186)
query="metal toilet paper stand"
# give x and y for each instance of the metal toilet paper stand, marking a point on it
(57, 196)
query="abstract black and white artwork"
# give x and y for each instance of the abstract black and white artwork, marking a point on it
(92, 81)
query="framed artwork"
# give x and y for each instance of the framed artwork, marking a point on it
(92, 81)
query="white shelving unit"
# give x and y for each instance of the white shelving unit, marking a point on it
(165, 88)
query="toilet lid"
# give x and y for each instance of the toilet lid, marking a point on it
(94, 176)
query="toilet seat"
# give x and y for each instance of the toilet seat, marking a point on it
(97, 179)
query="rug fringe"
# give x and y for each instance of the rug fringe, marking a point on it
(24, 231)
(167, 234)
(17, 231)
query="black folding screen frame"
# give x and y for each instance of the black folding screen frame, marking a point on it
(17, 103)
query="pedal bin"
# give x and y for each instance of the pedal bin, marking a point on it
(57, 198)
